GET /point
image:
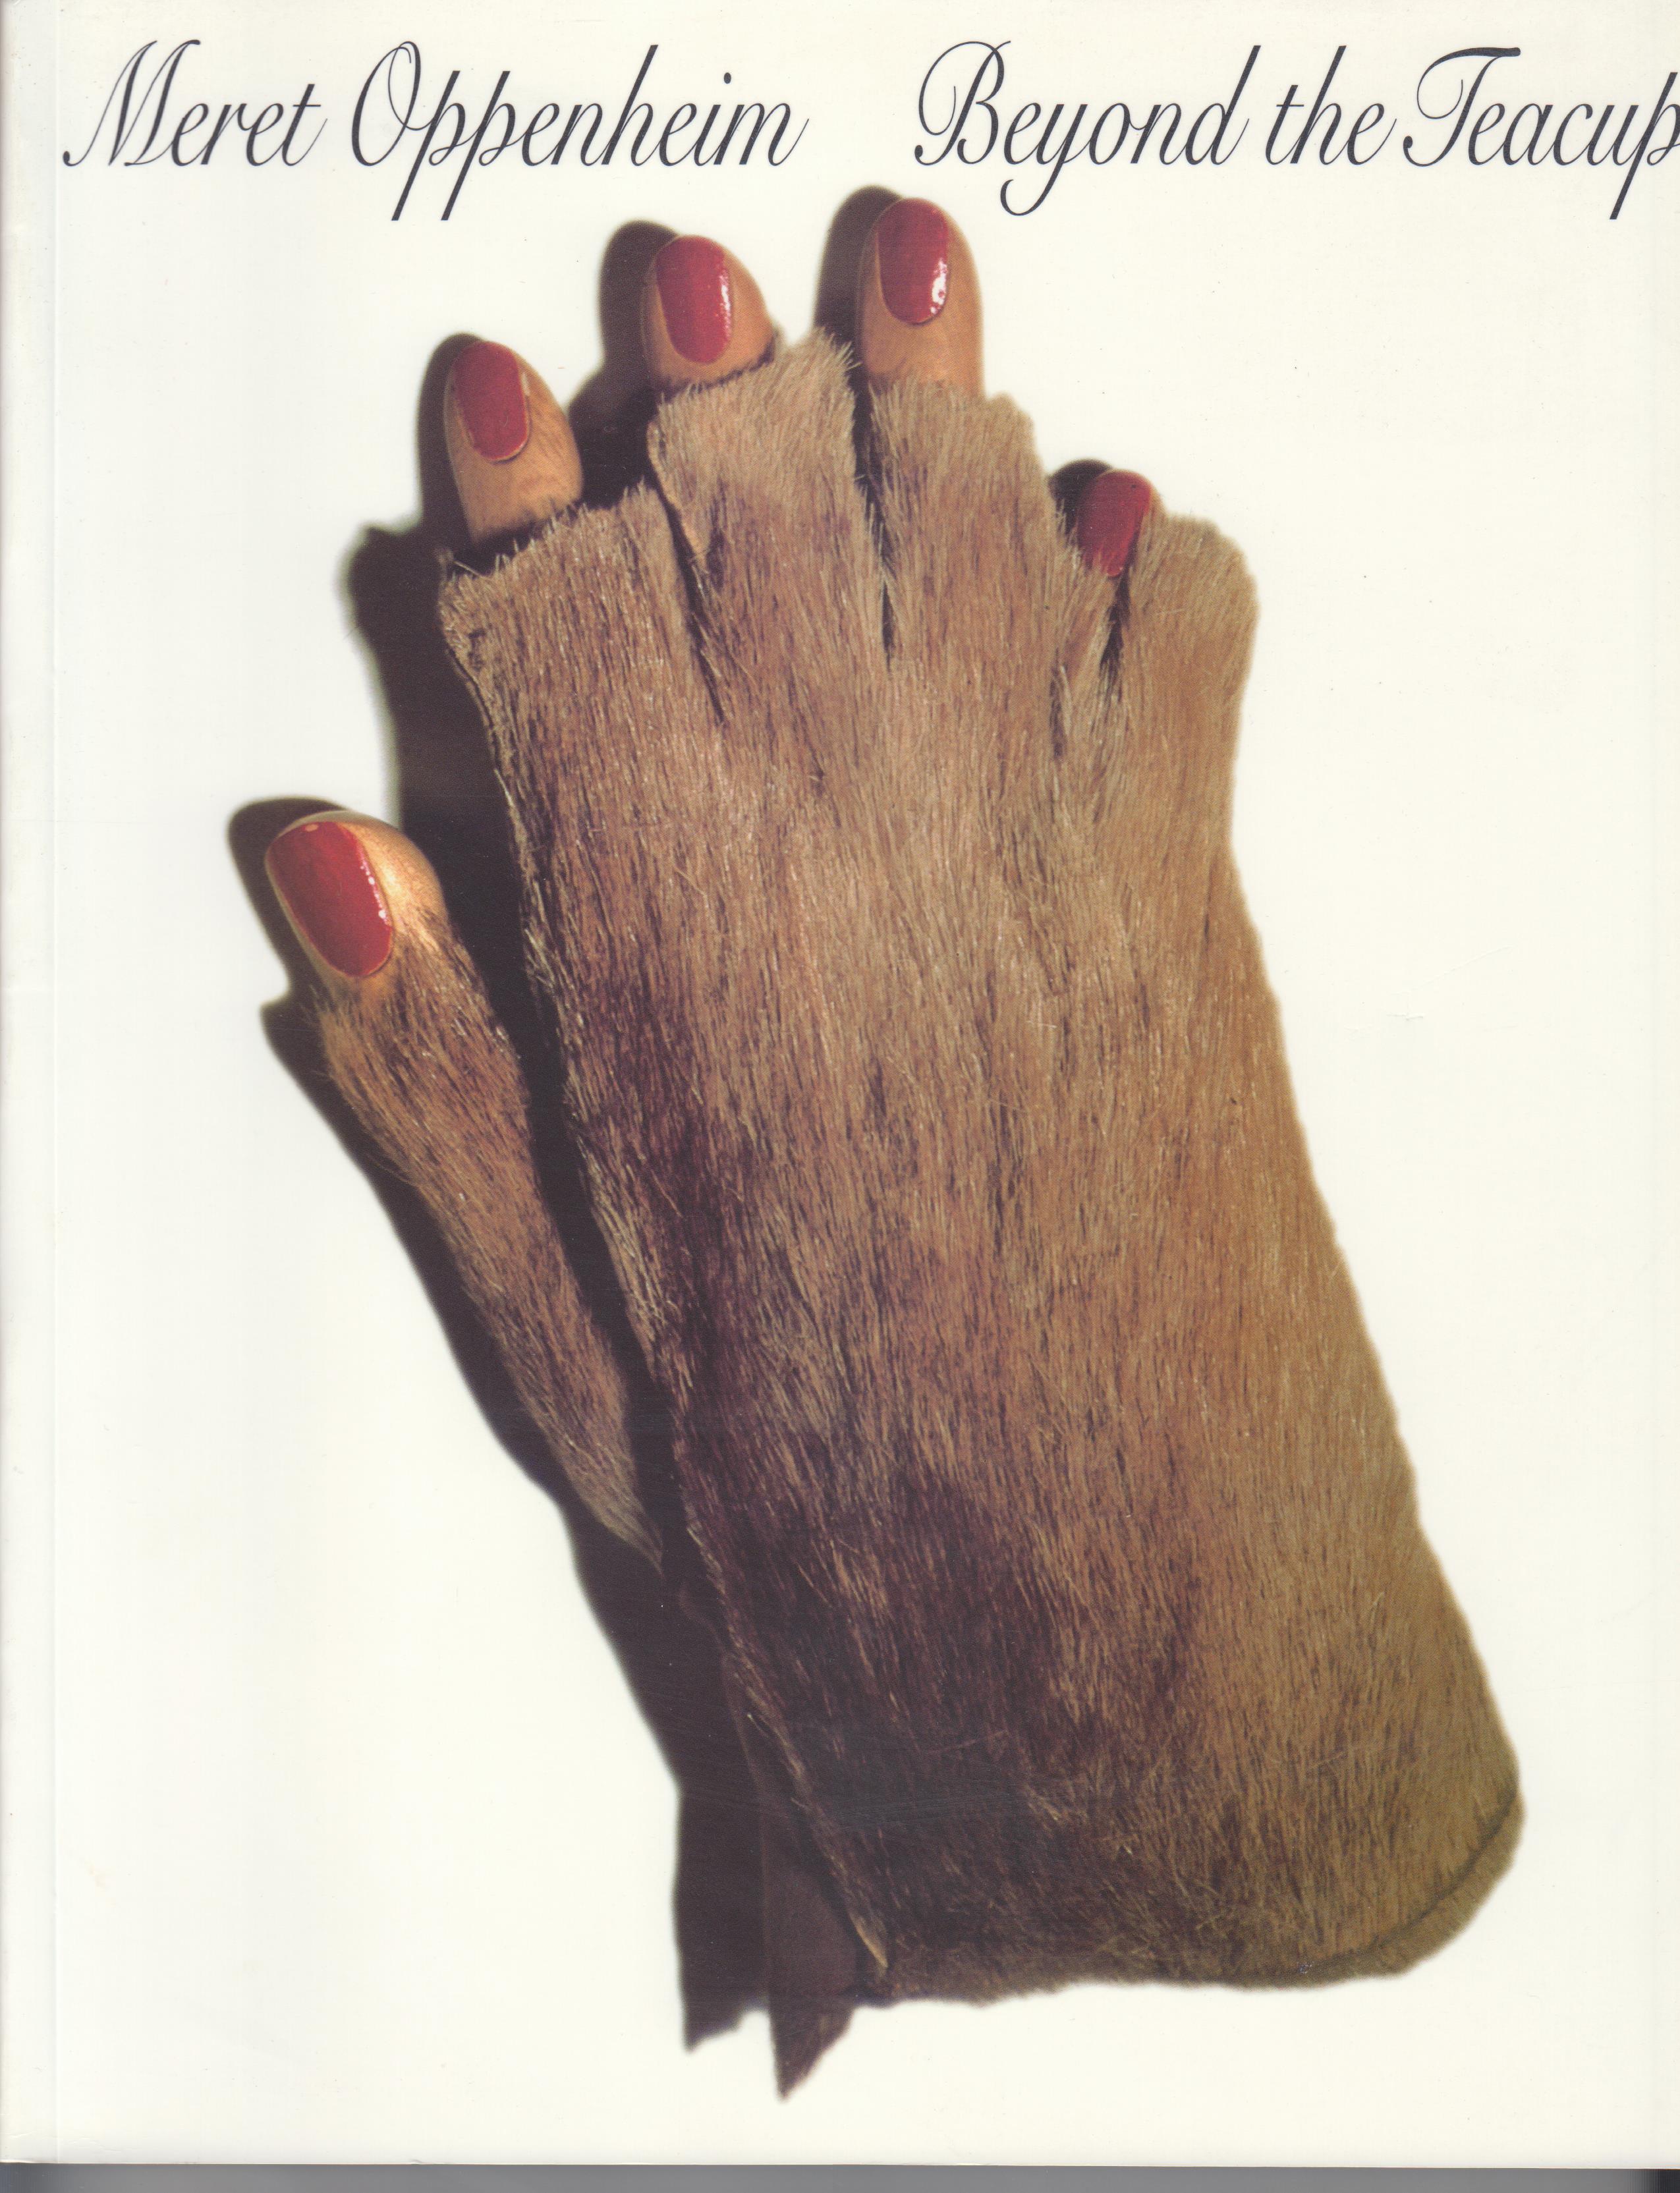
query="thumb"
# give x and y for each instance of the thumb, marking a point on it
(408, 1038)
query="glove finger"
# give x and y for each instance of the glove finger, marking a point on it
(408, 1036)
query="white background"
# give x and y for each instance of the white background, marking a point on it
(333, 1832)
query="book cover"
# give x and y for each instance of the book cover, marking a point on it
(345, 1776)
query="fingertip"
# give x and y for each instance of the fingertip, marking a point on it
(511, 450)
(488, 383)
(351, 888)
(703, 317)
(1109, 519)
(918, 299)
(913, 261)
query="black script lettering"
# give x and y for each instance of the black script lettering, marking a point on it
(429, 149)
(1225, 109)
(593, 108)
(545, 117)
(1368, 120)
(1462, 98)
(477, 153)
(1663, 105)
(1101, 159)
(161, 83)
(135, 109)
(391, 110)
(1154, 115)
(1530, 151)
(623, 121)
(1521, 140)
(684, 118)
(386, 63)
(304, 105)
(1557, 141)
(959, 105)
(782, 108)
(984, 87)
(1330, 116)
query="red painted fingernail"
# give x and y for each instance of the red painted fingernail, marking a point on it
(321, 872)
(490, 394)
(913, 250)
(1111, 513)
(694, 290)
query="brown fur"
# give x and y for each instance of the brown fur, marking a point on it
(424, 1066)
(1051, 1512)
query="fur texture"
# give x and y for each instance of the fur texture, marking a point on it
(1048, 1505)
(429, 1072)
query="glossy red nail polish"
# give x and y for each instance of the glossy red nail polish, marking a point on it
(913, 250)
(695, 293)
(1111, 513)
(490, 394)
(320, 871)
